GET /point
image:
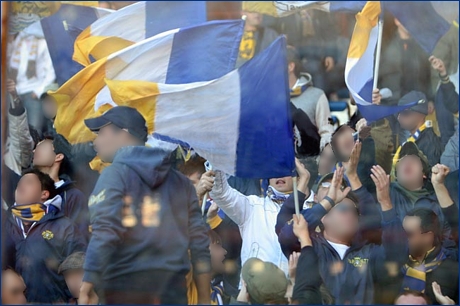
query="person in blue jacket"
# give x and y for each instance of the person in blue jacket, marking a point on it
(348, 265)
(41, 238)
(53, 156)
(145, 219)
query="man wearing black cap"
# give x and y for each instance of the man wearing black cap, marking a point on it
(421, 132)
(53, 156)
(145, 218)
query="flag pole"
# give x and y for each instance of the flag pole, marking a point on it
(296, 196)
(377, 55)
(203, 204)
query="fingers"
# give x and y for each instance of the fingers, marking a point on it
(295, 218)
(346, 191)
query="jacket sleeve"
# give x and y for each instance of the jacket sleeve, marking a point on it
(388, 258)
(78, 212)
(451, 215)
(105, 206)
(287, 210)
(75, 241)
(450, 155)
(235, 205)
(308, 279)
(199, 240)
(366, 161)
(447, 94)
(21, 143)
(323, 113)
(288, 241)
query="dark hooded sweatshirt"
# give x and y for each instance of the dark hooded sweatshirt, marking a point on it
(145, 217)
(38, 255)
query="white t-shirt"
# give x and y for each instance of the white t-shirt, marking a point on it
(340, 248)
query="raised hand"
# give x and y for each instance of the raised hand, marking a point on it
(382, 184)
(439, 173)
(335, 191)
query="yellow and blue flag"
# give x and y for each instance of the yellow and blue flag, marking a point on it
(135, 23)
(239, 122)
(359, 68)
(61, 29)
(185, 55)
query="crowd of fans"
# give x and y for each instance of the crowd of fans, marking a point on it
(378, 202)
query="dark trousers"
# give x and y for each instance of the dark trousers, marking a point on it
(152, 287)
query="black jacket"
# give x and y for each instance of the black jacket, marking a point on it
(145, 217)
(430, 144)
(37, 257)
(308, 279)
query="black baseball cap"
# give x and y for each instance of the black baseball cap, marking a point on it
(415, 96)
(123, 117)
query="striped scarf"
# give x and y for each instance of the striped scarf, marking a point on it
(276, 196)
(217, 290)
(415, 272)
(29, 212)
(412, 138)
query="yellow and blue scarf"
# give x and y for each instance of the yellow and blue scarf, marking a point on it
(29, 212)
(415, 272)
(295, 92)
(412, 138)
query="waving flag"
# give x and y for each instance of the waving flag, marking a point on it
(286, 8)
(239, 122)
(421, 20)
(359, 68)
(135, 23)
(61, 30)
(193, 54)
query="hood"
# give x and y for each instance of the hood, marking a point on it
(56, 202)
(151, 164)
(305, 79)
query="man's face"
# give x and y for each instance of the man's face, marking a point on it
(419, 243)
(323, 189)
(108, 141)
(44, 155)
(283, 184)
(49, 107)
(29, 190)
(345, 142)
(253, 19)
(409, 171)
(409, 119)
(327, 161)
(410, 300)
(13, 289)
(195, 178)
(217, 257)
(342, 219)
(73, 279)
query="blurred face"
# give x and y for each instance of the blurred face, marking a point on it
(44, 155)
(419, 243)
(253, 19)
(342, 220)
(327, 161)
(409, 172)
(410, 120)
(283, 184)
(410, 300)
(13, 289)
(195, 178)
(108, 141)
(29, 190)
(217, 257)
(49, 107)
(345, 142)
(73, 279)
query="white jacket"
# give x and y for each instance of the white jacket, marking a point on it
(256, 218)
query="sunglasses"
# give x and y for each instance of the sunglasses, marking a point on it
(346, 208)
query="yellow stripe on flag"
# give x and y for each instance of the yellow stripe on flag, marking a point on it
(82, 3)
(96, 46)
(365, 21)
(75, 100)
(140, 95)
(262, 7)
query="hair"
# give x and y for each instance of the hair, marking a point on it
(35, 135)
(194, 164)
(64, 148)
(429, 222)
(415, 293)
(45, 180)
(214, 237)
(293, 57)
